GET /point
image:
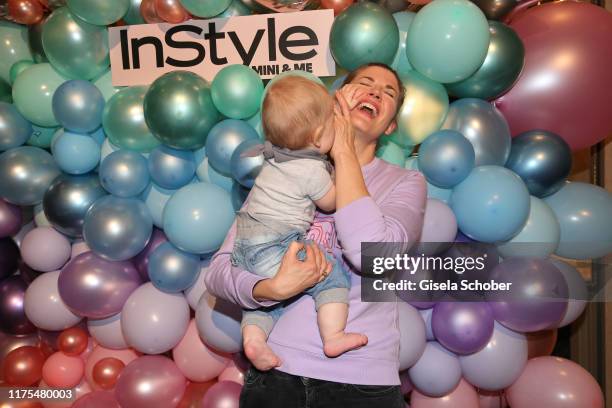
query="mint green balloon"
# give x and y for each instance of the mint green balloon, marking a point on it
(13, 47)
(391, 153)
(33, 93)
(206, 8)
(105, 85)
(6, 92)
(133, 15)
(18, 68)
(99, 12)
(77, 49)
(124, 123)
(236, 91)
(237, 8)
(403, 19)
(41, 136)
(448, 40)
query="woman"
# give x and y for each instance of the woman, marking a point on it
(375, 202)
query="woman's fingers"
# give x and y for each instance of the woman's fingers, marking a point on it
(346, 112)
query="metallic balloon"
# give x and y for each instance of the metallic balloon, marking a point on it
(246, 169)
(67, 200)
(171, 168)
(106, 371)
(133, 15)
(223, 140)
(73, 341)
(25, 11)
(394, 6)
(124, 173)
(237, 91)
(223, 394)
(117, 228)
(14, 128)
(27, 172)
(446, 157)
(500, 68)
(23, 366)
(10, 222)
(141, 261)
(496, 9)
(99, 12)
(9, 343)
(149, 13)
(14, 320)
(96, 288)
(171, 11)
(13, 46)
(484, 126)
(18, 68)
(78, 106)
(542, 159)
(172, 270)
(35, 42)
(179, 110)
(206, 8)
(76, 153)
(462, 327)
(237, 8)
(286, 6)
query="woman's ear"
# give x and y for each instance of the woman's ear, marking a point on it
(391, 128)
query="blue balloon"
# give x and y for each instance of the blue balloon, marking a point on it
(584, 213)
(197, 217)
(78, 106)
(206, 173)
(75, 153)
(223, 139)
(99, 136)
(245, 169)
(15, 130)
(172, 270)
(155, 198)
(171, 168)
(446, 157)
(442, 194)
(491, 204)
(124, 173)
(239, 195)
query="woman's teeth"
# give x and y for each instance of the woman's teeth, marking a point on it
(368, 107)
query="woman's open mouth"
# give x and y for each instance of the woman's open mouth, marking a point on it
(368, 109)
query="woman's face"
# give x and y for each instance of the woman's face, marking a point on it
(375, 104)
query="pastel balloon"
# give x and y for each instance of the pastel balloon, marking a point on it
(412, 335)
(61, 370)
(426, 315)
(124, 173)
(224, 394)
(106, 371)
(45, 249)
(105, 85)
(206, 8)
(403, 19)
(437, 372)
(10, 222)
(107, 332)
(41, 136)
(223, 139)
(18, 68)
(156, 198)
(195, 291)
(15, 130)
(13, 47)
(22, 367)
(99, 12)
(246, 169)
(236, 91)
(235, 9)
(206, 172)
(218, 322)
(73, 341)
(583, 213)
(232, 372)
(390, 152)
(446, 157)
(99, 353)
(462, 327)
(463, 396)
(577, 292)
(97, 399)
(78, 106)
(171, 168)
(14, 318)
(141, 261)
(75, 153)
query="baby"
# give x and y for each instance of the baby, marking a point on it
(298, 122)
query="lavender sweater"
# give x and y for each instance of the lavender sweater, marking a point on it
(393, 213)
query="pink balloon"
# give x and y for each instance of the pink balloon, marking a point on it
(80, 390)
(151, 382)
(232, 373)
(45, 249)
(61, 370)
(195, 360)
(554, 382)
(97, 399)
(464, 396)
(565, 86)
(99, 352)
(91, 344)
(492, 399)
(224, 394)
(79, 247)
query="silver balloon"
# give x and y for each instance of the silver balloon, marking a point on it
(117, 228)
(68, 199)
(26, 173)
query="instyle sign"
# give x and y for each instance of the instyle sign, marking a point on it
(269, 43)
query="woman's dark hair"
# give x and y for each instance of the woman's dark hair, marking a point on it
(402, 91)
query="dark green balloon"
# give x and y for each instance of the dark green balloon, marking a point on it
(179, 110)
(500, 68)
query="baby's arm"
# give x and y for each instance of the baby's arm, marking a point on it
(328, 201)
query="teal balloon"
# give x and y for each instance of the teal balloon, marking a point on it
(104, 84)
(155, 198)
(448, 40)
(206, 8)
(207, 173)
(77, 49)
(400, 63)
(491, 204)
(172, 270)
(124, 123)
(99, 12)
(18, 67)
(364, 32)
(501, 67)
(33, 93)
(171, 168)
(197, 217)
(583, 211)
(179, 110)
(35, 42)
(237, 8)
(236, 91)
(6, 92)
(41, 136)
(124, 173)
(391, 153)
(442, 194)
(133, 15)
(255, 122)
(13, 47)
(14, 128)
(75, 153)
(446, 157)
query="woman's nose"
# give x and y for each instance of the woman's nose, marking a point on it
(375, 93)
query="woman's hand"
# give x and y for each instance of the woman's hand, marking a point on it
(344, 136)
(352, 93)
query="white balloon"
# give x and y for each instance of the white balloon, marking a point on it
(107, 332)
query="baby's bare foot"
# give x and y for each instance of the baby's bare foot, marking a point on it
(343, 342)
(261, 355)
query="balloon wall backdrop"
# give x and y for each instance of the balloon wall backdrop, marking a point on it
(112, 200)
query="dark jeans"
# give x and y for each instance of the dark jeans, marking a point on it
(274, 389)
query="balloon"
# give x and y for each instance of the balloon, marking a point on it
(18, 67)
(446, 158)
(75, 153)
(539, 237)
(237, 91)
(491, 204)
(105, 85)
(577, 292)
(9, 255)
(63, 371)
(542, 159)
(337, 5)
(133, 15)
(195, 291)
(246, 169)
(239, 195)
(437, 372)
(23, 366)
(496, 9)
(100, 353)
(41, 136)
(10, 224)
(171, 11)
(500, 68)
(155, 198)
(141, 261)
(73, 341)
(235, 9)
(78, 106)
(171, 168)
(196, 361)
(124, 173)
(462, 327)
(12, 294)
(34, 39)
(448, 40)
(124, 122)
(224, 394)
(99, 12)
(234, 372)
(153, 321)
(574, 106)
(13, 47)
(117, 228)
(172, 270)
(218, 322)
(412, 336)
(223, 140)
(6, 92)
(439, 224)
(390, 152)
(107, 332)
(206, 8)
(106, 371)
(197, 217)
(14, 129)
(194, 393)
(206, 173)
(364, 32)
(463, 396)
(149, 13)
(44, 307)
(538, 300)
(97, 399)
(9, 343)
(179, 110)
(426, 316)
(485, 128)
(567, 386)
(67, 200)
(45, 249)
(423, 111)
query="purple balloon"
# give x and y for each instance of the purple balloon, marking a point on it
(423, 305)
(141, 261)
(9, 257)
(10, 219)
(538, 296)
(13, 319)
(462, 327)
(94, 287)
(224, 394)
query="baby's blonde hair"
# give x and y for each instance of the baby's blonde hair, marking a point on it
(293, 109)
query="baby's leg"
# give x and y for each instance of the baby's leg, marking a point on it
(256, 348)
(332, 318)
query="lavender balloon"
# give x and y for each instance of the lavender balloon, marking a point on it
(462, 327)
(437, 372)
(10, 219)
(95, 287)
(13, 319)
(141, 261)
(224, 394)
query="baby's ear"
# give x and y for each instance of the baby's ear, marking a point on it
(316, 137)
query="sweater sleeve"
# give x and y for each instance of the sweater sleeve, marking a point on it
(398, 218)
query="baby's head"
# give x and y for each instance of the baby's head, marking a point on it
(298, 113)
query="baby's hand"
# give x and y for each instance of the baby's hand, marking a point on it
(352, 93)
